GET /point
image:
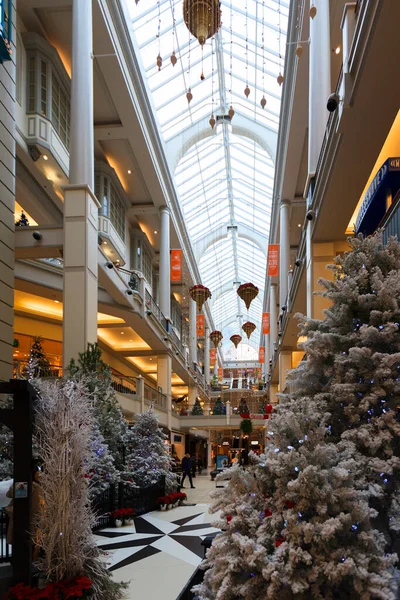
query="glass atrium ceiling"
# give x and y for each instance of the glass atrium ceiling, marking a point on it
(224, 176)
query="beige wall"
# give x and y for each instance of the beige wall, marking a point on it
(7, 200)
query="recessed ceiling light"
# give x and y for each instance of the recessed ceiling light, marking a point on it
(105, 243)
(337, 50)
(45, 157)
(122, 333)
(150, 359)
(129, 172)
(156, 232)
(57, 301)
(298, 224)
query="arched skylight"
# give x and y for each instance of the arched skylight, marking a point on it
(224, 176)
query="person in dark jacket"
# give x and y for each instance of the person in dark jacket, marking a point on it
(187, 470)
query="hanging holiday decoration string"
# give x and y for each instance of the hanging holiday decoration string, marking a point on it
(280, 76)
(212, 119)
(173, 58)
(247, 89)
(231, 111)
(189, 95)
(263, 101)
(159, 59)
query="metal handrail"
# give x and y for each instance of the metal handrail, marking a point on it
(152, 308)
(124, 385)
(154, 396)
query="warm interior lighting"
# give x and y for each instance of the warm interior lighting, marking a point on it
(45, 157)
(391, 147)
(337, 50)
(298, 224)
(57, 301)
(129, 172)
(156, 232)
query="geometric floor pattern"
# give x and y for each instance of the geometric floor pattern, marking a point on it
(157, 532)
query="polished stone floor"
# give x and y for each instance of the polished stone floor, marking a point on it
(159, 554)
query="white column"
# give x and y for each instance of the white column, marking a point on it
(164, 378)
(284, 251)
(81, 169)
(273, 318)
(348, 25)
(228, 412)
(309, 272)
(216, 368)
(193, 330)
(266, 354)
(164, 272)
(285, 365)
(140, 392)
(273, 390)
(192, 395)
(209, 454)
(207, 355)
(319, 81)
(80, 205)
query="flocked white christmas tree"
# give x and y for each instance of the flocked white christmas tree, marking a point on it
(326, 493)
(100, 467)
(148, 459)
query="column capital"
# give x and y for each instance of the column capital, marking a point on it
(165, 209)
(285, 203)
(274, 285)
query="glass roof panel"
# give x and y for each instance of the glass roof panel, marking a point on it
(225, 180)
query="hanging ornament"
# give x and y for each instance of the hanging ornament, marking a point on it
(267, 513)
(263, 102)
(280, 79)
(247, 292)
(248, 328)
(216, 337)
(202, 18)
(199, 293)
(202, 78)
(313, 11)
(299, 50)
(212, 122)
(189, 95)
(279, 541)
(231, 113)
(236, 339)
(173, 59)
(268, 409)
(159, 62)
(247, 91)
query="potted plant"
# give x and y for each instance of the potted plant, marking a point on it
(118, 517)
(128, 518)
(163, 502)
(214, 382)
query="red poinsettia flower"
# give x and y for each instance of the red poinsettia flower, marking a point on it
(290, 504)
(267, 513)
(279, 541)
(229, 518)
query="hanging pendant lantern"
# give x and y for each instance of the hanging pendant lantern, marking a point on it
(313, 11)
(159, 62)
(280, 79)
(202, 78)
(199, 293)
(247, 91)
(173, 59)
(212, 122)
(248, 328)
(216, 337)
(231, 113)
(247, 292)
(236, 339)
(202, 18)
(263, 102)
(189, 95)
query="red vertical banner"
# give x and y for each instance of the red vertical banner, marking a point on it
(265, 323)
(220, 374)
(200, 326)
(176, 265)
(213, 356)
(273, 260)
(261, 355)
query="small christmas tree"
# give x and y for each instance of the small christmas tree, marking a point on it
(97, 377)
(197, 410)
(219, 407)
(38, 364)
(6, 453)
(243, 407)
(22, 221)
(148, 459)
(101, 470)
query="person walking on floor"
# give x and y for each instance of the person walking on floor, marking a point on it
(187, 470)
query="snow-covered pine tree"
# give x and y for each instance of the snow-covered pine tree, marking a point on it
(219, 407)
(97, 377)
(197, 410)
(148, 459)
(101, 471)
(330, 477)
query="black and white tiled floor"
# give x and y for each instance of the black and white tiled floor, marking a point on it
(160, 552)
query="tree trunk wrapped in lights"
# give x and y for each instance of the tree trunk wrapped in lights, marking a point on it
(202, 18)
(236, 339)
(247, 292)
(199, 293)
(216, 337)
(248, 328)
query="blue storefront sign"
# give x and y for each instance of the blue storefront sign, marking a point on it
(373, 208)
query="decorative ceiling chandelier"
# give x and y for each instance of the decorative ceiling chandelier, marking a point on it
(247, 292)
(216, 337)
(236, 339)
(248, 328)
(200, 294)
(202, 18)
